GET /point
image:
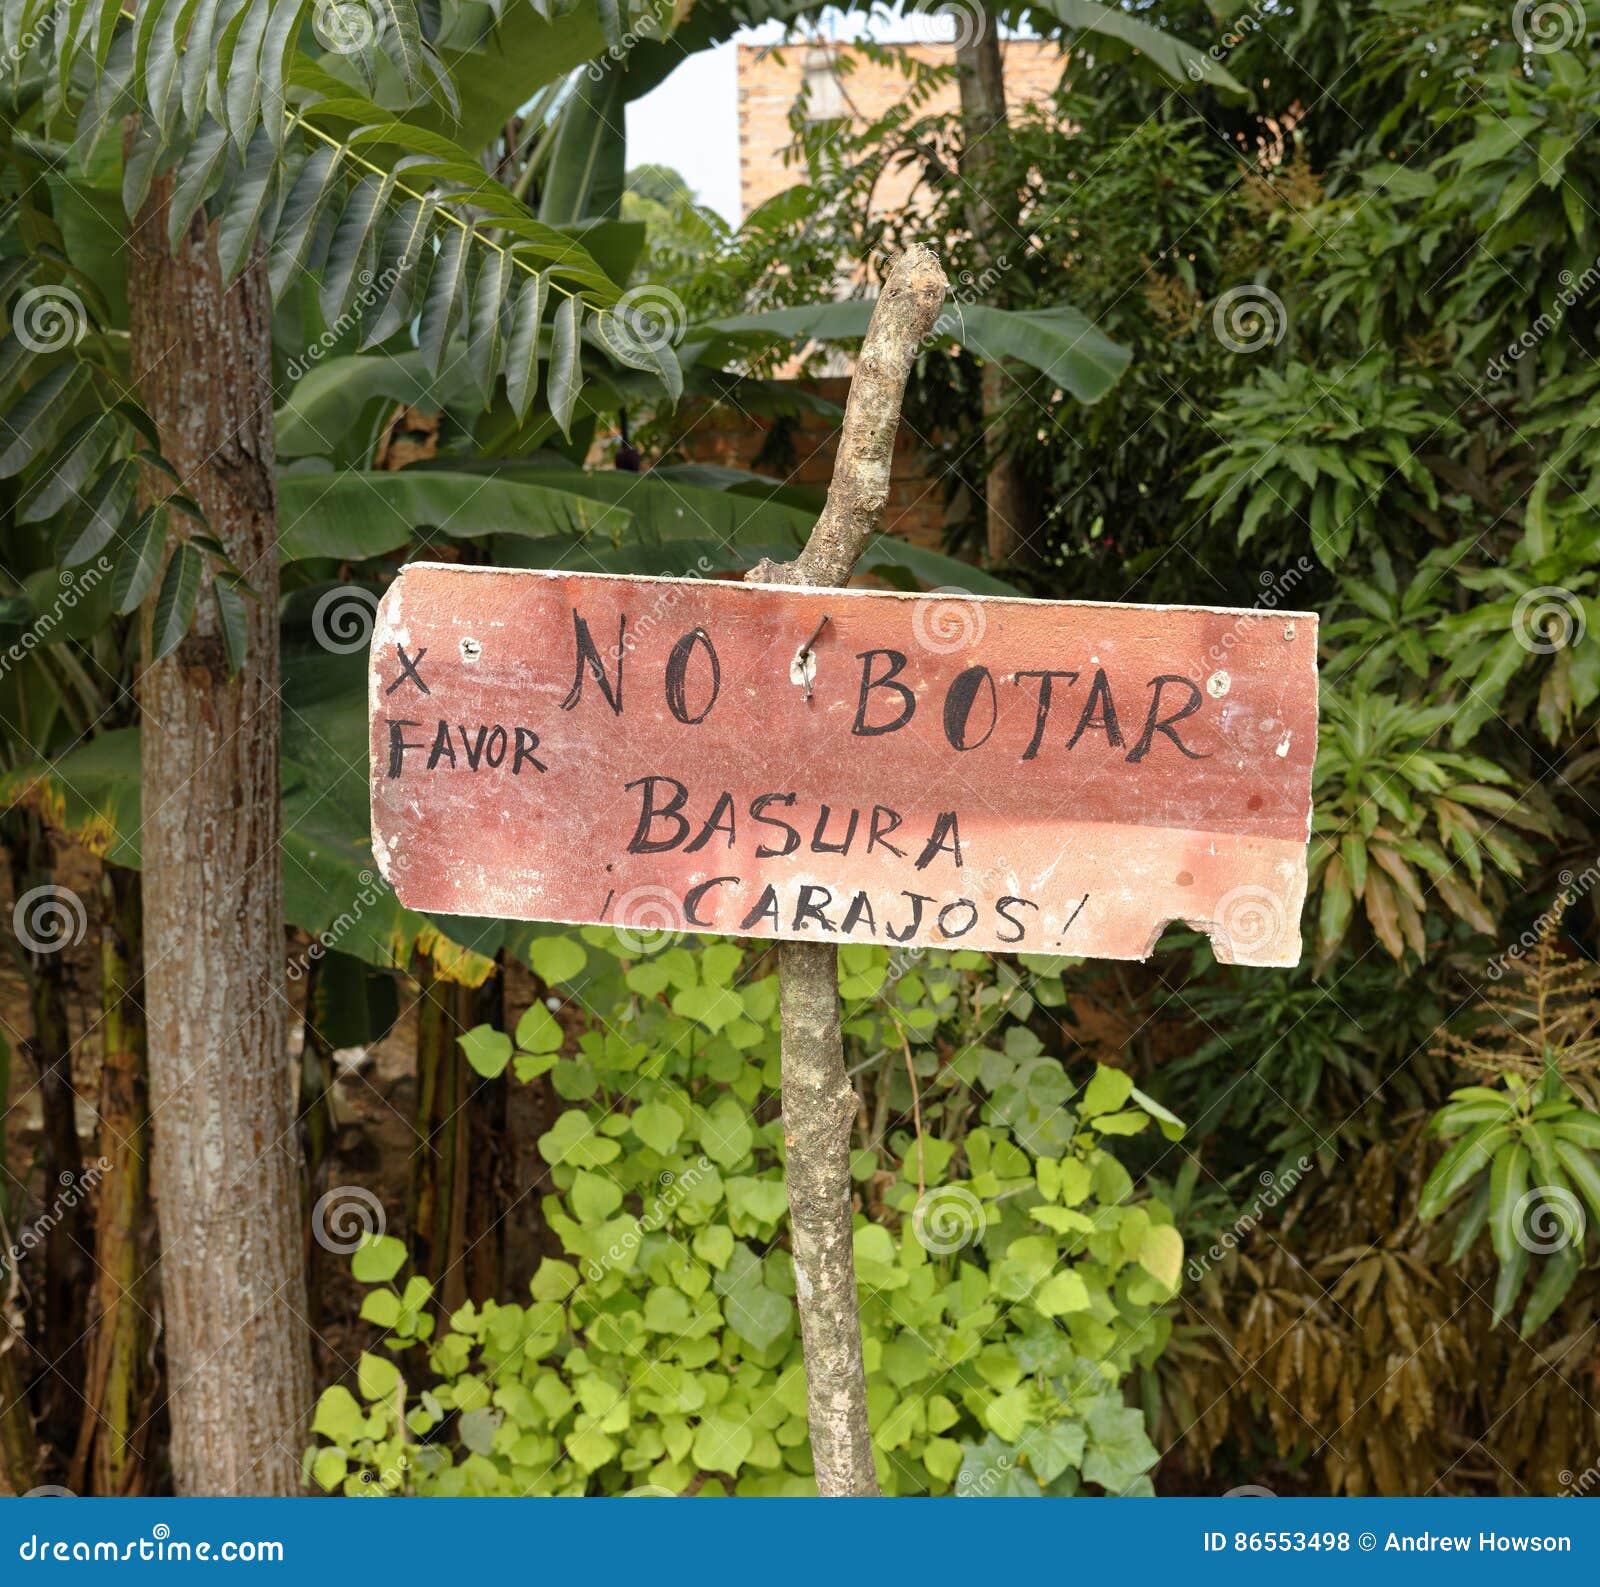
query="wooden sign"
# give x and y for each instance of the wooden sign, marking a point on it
(843, 765)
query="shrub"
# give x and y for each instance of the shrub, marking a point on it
(1010, 1278)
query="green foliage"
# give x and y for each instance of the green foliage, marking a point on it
(1525, 1157)
(1525, 1151)
(299, 146)
(1002, 1308)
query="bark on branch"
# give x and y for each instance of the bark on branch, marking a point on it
(906, 309)
(819, 1104)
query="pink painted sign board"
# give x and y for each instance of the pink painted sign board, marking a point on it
(940, 770)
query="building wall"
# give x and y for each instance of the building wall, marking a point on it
(770, 82)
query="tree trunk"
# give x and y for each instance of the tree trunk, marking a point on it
(1011, 517)
(226, 1172)
(119, 1391)
(46, 932)
(818, 1102)
(18, 1444)
(455, 1196)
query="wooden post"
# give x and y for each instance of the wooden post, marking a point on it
(819, 1103)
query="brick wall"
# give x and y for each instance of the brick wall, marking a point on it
(769, 84)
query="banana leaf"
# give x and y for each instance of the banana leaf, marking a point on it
(1059, 342)
(353, 514)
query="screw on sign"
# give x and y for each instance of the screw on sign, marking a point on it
(773, 761)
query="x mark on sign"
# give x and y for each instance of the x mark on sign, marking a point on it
(408, 669)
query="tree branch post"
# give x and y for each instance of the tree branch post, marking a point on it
(819, 1104)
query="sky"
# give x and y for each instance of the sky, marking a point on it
(691, 122)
